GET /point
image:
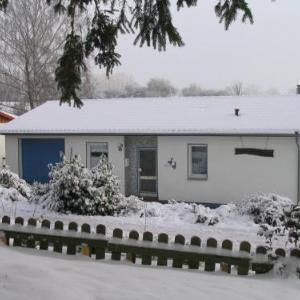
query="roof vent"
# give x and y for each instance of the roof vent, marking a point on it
(236, 112)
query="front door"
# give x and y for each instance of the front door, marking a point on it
(147, 172)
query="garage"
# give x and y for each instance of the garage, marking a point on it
(36, 155)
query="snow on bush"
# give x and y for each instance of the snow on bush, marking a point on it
(42, 195)
(13, 188)
(78, 190)
(266, 208)
(188, 212)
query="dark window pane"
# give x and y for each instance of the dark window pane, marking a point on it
(148, 162)
(199, 160)
(148, 186)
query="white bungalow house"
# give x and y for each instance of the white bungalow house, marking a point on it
(207, 149)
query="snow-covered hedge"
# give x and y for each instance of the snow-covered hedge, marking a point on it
(78, 190)
(266, 208)
(189, 212)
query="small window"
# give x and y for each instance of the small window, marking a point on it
(94, 152)
(197, 160)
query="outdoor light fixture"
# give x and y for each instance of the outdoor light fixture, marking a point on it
(120, 147)
(172, 163)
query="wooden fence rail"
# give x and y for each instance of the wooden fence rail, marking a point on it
(162, 252)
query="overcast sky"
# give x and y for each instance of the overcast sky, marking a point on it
(266, 54)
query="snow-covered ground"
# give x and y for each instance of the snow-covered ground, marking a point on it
(35, 275)
(171, 219)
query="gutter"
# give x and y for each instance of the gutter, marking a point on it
(298, 168)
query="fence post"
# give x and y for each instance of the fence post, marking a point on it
(178, 261)
(280, 252)
(210, 264)
(17, 239)
(44, 241)
(100, 252)
(194, 263)
(30, 242)
(86, 228)
(133, 235)
(263, 267)
(243, 268)
(295, 253)
(225, 267)
(6, 220)
(57, 245)
(117, 234)
(147, 258)
(71, 244)
(162, 260)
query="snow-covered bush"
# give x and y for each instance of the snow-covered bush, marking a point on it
(41, 195)
(11, 194)
(292, 226)
(205, 215)
(129, 206)
(265, 208)
(78, 190)
(109, 184)
(15, 184)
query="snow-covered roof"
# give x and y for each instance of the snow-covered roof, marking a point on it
(7, 115)
(178, 115)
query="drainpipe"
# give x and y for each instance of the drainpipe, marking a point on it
(298, 171)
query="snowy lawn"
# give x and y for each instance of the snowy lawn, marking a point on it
(176, 219)
(32, 274)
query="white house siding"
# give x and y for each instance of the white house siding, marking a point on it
(74, 145)
(2, 149)
(230, 176)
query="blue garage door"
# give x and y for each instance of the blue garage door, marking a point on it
(37, 154)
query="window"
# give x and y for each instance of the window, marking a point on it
(197, 161)
(94, 151)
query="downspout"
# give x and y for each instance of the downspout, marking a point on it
(298, 169)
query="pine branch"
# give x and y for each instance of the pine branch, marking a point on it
(151, 20)
(227, 11)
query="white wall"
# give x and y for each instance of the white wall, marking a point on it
(2, 149)
(75, 145)
(230, 176)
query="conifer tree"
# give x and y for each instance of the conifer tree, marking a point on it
(150, 20)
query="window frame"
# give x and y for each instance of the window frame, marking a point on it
(88, 152)
(192, 176)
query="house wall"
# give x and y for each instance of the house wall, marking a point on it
(2, 150)
(230, 176)
(74, 145)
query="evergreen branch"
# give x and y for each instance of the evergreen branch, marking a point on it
(70, 66)
(150, 19)
(227, 11)
(3, 4)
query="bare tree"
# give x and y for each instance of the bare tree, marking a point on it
(236, 89)
(31, 39)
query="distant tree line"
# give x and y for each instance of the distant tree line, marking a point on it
(124, 86)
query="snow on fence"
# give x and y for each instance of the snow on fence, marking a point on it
(162, 252)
